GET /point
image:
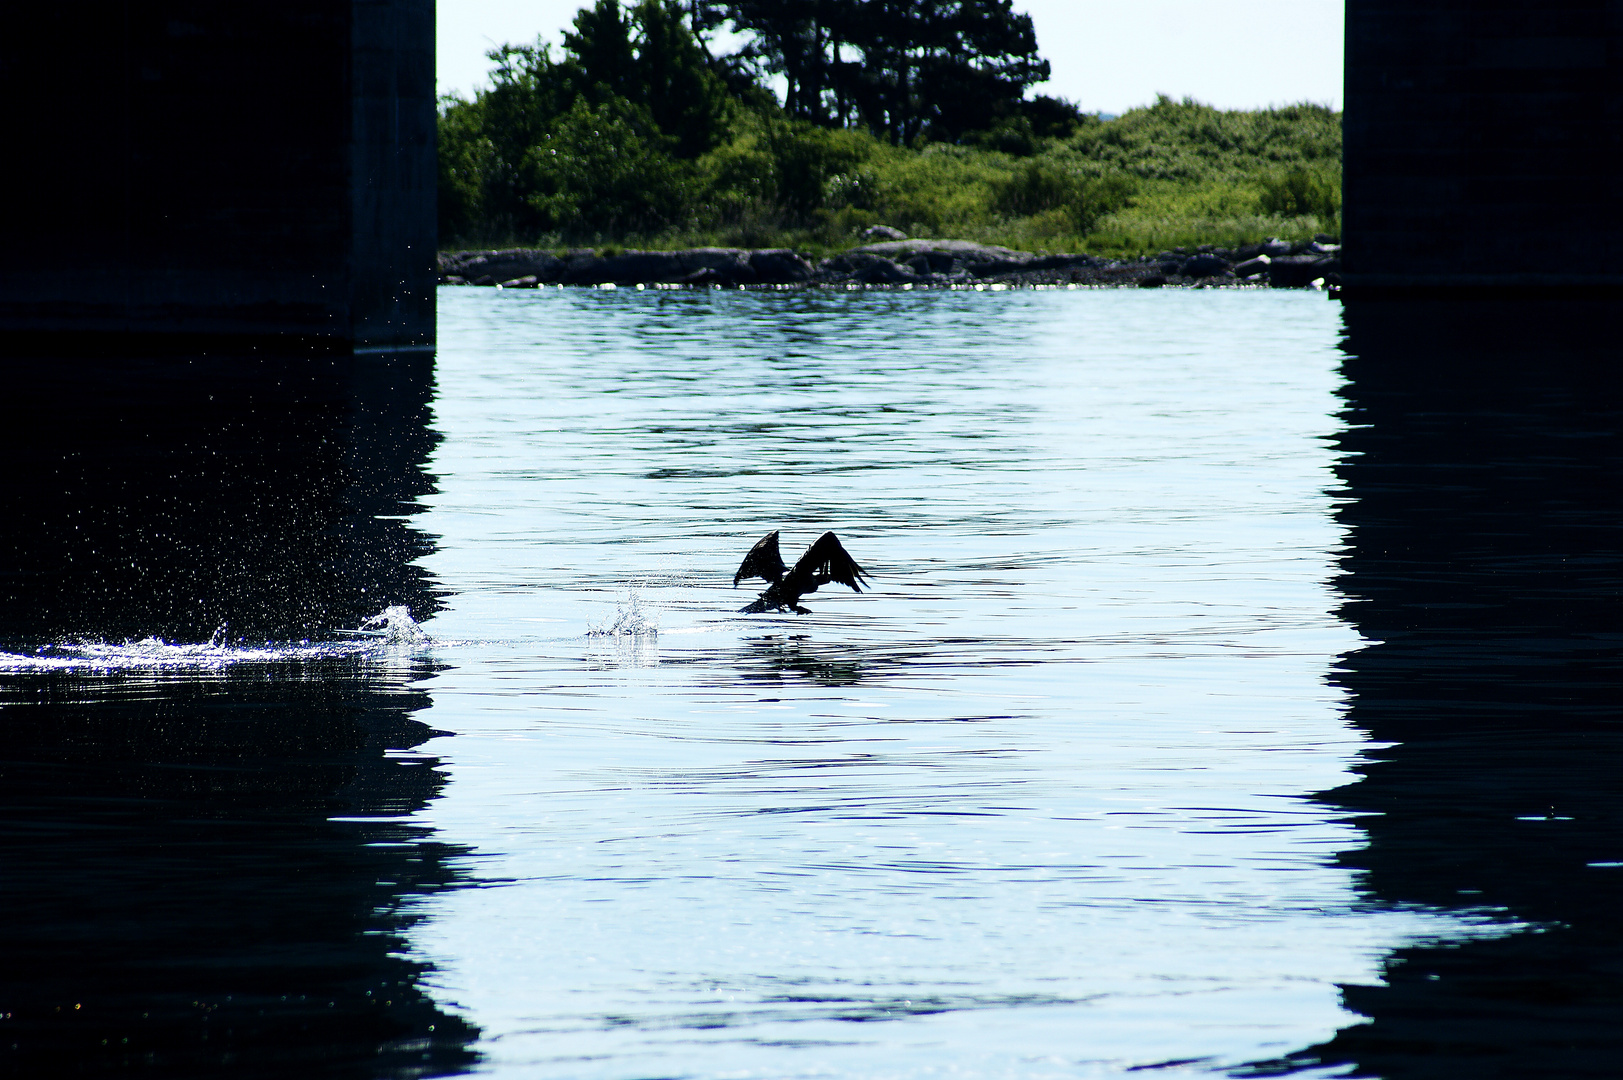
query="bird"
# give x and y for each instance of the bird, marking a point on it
(824, 561)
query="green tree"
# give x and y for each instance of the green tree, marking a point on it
(604, 169)
(640, 72)
(901, 68)
(685, 96)
(600, 58)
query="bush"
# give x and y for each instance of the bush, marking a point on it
(605, 170)
(1300, 191)
(668, 152)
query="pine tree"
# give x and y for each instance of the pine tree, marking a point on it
(902, 68)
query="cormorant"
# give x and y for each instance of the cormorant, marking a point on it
(824, 561)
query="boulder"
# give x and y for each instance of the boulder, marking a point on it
(730, 265)
(1252, 267)
(1079, 261)
(501, 265)
(779, 266)
(1205, 264)
(881, 271)
(932, 262)
(852, 265)
(1273, 247)
(960, 250)
(882, 232)
(1299, 271)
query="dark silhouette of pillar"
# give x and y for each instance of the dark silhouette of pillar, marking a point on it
(1482, 142)
(191, 170)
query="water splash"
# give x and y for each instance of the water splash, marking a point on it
(630, 620)
(381, 634)
(396, 626)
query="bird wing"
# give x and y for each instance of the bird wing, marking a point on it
(827, 561)
(763, 561)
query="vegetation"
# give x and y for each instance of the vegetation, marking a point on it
(909, 113)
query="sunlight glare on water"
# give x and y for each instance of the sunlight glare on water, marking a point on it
(1034, 804)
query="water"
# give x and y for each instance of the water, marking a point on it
(1202, 715)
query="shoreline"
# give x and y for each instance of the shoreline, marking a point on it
(903, 264)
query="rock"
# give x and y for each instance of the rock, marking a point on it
(1252, 267)
(893, 262)
(881, 232)
(731, 266)
(997, 268)
(960, 250)
(779, 266)
(881, 271)
(862, 265)
(706, 276)
(1063, 262)
(932, 262)
(502, 265)
(1299, 271)
(1204, 265)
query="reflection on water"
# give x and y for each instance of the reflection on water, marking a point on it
(1484, 471)
(209, 862)
(791, 658)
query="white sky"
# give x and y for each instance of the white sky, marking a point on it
(1107, 55)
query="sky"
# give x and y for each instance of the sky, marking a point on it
(1107, 56)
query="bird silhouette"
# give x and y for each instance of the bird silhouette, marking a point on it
(824, 561)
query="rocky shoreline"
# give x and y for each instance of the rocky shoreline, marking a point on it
(901, 264)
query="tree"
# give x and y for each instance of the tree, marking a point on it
(688, 100)
(604, 169)
(901, 68)
(508, 156)
(650, 58)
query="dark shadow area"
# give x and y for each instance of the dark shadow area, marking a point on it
(204, 869)
(1484, 469)
(177, 900)
(172, 495)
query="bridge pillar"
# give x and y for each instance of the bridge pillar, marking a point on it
(190, 170)
(1482, 150)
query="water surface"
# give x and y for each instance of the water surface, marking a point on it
(1036, 804)
(1232, 695)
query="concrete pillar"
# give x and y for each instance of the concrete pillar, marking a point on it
(1483, 141)
(185, 171)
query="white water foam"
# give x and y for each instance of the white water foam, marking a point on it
(385, 632)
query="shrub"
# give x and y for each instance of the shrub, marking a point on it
(1042, 188)
(1300, 191)
(606, 170)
